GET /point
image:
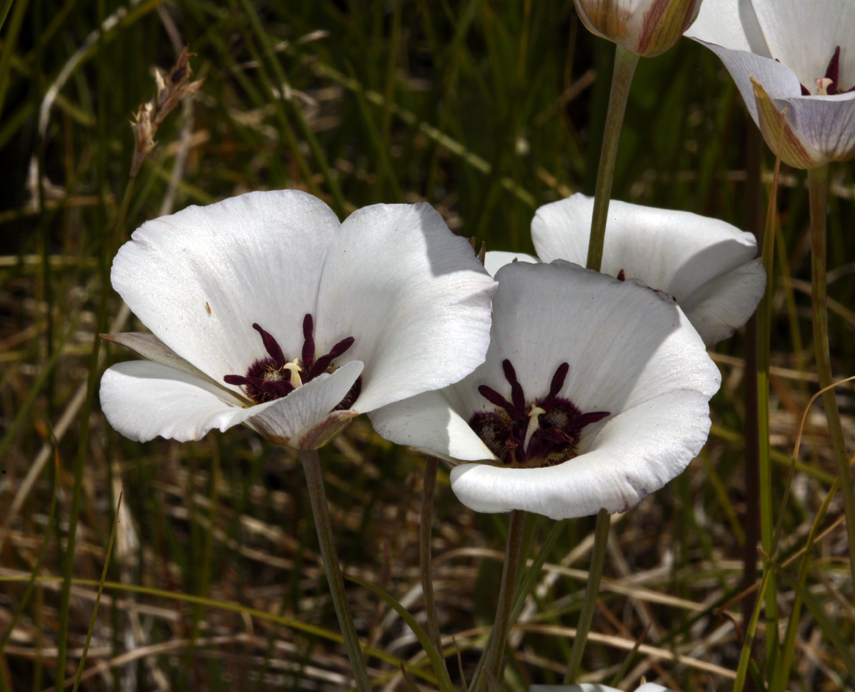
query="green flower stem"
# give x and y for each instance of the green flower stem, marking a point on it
(320, 510)
(751, 421)
(492, 659)
(592, 591)
(818, 190)
(624, 69)
(764, 450)
(625, 63)
(429, 486)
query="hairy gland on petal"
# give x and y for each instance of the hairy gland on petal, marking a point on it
(276, 377)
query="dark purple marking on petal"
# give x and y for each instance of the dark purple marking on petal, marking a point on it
(621, 275)
(237, 380)
(832, 72)
(805, 90)
(351, 396)
(308, 342)
(497, 399)
(267, 379)
(272, 346)
(584, 419)
(559, 425)
(517, 396)
(324, 362)
(554, 435)
(558, 380)
(341, 347)
(260, 390)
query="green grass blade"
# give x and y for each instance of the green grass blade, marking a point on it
(434, 656)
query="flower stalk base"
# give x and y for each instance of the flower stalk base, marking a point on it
(818, 191)
(492, 660)
(592, 591)
(318, 497)
(431, 466)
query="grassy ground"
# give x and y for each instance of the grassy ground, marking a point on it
(486, 110)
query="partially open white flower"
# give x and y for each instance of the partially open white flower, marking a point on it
(266, 311)
(593, 394)
(793, 54)
(591, 687)
(706, 265)
(643, 27)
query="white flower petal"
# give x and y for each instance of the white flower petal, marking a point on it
(731, 24)
(200, 278)
(143, 400)
(672, 251)
(803, 34)
(624, 343)
(495, 260)
(151, 348)
(413, 296)
(635, 453)
(777, 79)
(824, 123)
(721, 306)
(430, 423)
(802, 38)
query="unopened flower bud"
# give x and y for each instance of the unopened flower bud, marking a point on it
(643, 27)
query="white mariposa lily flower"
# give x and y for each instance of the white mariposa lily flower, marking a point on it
(706, 265)
(797, 55)
(644, 27)
(593, 394)
(266, 311)
(592, 687)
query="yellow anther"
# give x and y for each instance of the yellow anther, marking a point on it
(533, 424)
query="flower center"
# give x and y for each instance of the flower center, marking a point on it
(829, 84)
(275, 377)
(544, 432)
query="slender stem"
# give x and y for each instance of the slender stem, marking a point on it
(625, 63)
(764, 459)
(592, 591)
(320, 510)
(492, 660)
(818, 189)
(429, 486)
(751, 421)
